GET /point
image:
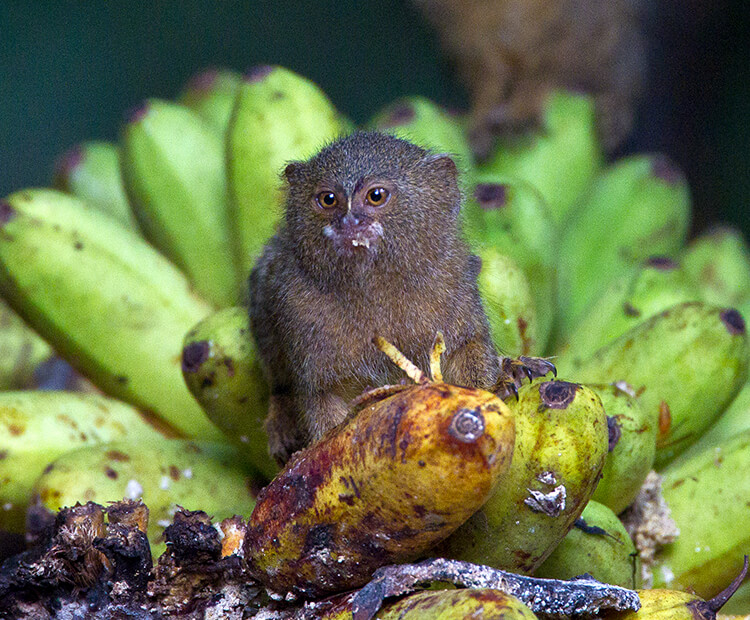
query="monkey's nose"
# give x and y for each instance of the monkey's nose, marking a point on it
(350, 219)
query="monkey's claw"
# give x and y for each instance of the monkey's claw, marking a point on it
(513, 370)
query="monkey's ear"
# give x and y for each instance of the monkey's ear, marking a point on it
(294, 171)
(442, 163)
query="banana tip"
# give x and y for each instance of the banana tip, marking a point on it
(491, 195)
(203, 81)
(663, 168)
(193, 356)
(137, 113)
(7, 212)
(258, 73)
(400, 114)
(733, 321)
(69, 161)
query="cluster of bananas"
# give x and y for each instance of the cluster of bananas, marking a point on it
(133, 269)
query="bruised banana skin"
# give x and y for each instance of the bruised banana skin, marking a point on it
(36, 427)
(278, 117)
(175, 175)
(383, 488)
(464, 604)
(165, 473)
(685, 364)
(561, 445)
(104, 299)
(221, 369)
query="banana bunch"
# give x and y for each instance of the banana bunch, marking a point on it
(133, 270)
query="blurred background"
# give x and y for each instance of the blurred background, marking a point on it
(69, 71)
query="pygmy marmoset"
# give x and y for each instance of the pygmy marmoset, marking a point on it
(369, 246)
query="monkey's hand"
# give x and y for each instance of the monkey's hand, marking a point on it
(514, 370)
(285, 436)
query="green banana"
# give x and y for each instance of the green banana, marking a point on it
(561, 445)
(37, 427)
(734, 420)
(509, 304)
(22, 351)
(598, 545)
(510, 216)
(104, 299)
(278, 116)
(708, 551)
(686, 364)
(561, 159)
(425, 123)
(91, 171)
(629, 300)
(174, 170)
(211, 95)
(632, 446)
(719, 262)
(637, 208)
(221, 369)
(165, 473)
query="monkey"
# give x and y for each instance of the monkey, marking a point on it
(369, 245)
(512, 53)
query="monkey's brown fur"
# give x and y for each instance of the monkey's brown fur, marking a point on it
(317, 299)
(511, 53)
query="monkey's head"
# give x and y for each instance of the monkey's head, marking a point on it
(371, 197)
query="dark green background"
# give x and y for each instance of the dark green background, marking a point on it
(69, 71)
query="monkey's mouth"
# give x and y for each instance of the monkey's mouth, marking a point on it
(354, 239)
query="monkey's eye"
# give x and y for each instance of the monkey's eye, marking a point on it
(377, 196)
(327, 200)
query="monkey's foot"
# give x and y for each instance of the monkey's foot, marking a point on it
(284, 434)
(515, 370)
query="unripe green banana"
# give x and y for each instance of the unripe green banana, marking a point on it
(211, 95)
(104, 299)
(598, 545)
(686, 365)
(22, 351)
(221, 369)
(509, 303)
(174, 170)
(561, 445)
(719, 262)
(629, 300)
(279, 116)
(91, 171)
(561, 159)
(165, 473)
(510, 216)
(426, 124)
(637, 208)
(37, 427)
(734, 420)
(708, 496)
(632, 446)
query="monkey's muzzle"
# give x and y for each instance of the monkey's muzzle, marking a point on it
(353, 234)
